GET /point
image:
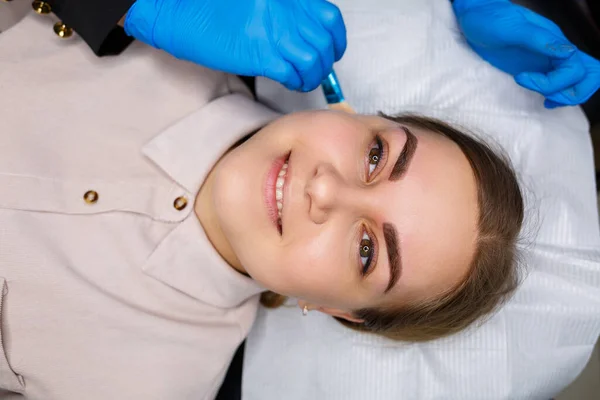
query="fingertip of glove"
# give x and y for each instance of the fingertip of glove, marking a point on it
(551, 105)
(290, 87)
(526, 80)
(521, 78)
(339, 54)
(285, 74)
(306, 89)
(561, 49)
(535, 81)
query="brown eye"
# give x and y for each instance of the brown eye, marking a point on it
(374, 156)
(366, 251)
(365, 248)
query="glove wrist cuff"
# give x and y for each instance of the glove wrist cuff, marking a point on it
(141, 18)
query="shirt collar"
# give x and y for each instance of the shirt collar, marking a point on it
(187, 151)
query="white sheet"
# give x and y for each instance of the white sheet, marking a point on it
(409, 56)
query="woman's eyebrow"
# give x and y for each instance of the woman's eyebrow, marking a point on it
(394, 258)
(405, 156)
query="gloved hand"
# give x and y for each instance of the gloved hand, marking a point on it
(531, 48)
(294, 42)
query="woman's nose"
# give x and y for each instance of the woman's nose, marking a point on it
(323, 190)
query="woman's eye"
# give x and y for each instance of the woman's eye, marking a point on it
(366, 253)
(375, 155)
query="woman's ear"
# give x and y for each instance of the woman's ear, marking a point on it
(334, 312)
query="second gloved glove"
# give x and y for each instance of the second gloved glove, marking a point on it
(531, 48)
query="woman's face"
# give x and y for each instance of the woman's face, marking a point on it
(371, 212)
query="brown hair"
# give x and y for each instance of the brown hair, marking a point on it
(494, 273)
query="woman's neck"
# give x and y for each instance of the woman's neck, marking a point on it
(204, 210)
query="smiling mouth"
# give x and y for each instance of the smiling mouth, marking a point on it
(279, 185)
(274, 190)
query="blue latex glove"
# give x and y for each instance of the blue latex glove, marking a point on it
(294, 42)
(531, 48)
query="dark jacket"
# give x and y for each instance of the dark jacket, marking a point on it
(96, 22)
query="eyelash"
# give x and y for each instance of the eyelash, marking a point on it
(381, 146)
(369, 260)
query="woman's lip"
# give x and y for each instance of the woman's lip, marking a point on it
(285, 189)
(269, 189)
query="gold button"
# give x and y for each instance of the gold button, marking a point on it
(90, 197)
(180, 203)
(62, 30)
(41, 7)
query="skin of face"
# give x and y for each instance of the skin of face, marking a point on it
(337, 195)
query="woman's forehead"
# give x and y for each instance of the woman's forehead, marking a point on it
(435, 211)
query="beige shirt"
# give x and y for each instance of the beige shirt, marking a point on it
(110, 288)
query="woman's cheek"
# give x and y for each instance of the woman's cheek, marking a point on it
(327, 137)
(315, 263)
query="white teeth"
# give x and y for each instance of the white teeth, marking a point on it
(279, 188)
